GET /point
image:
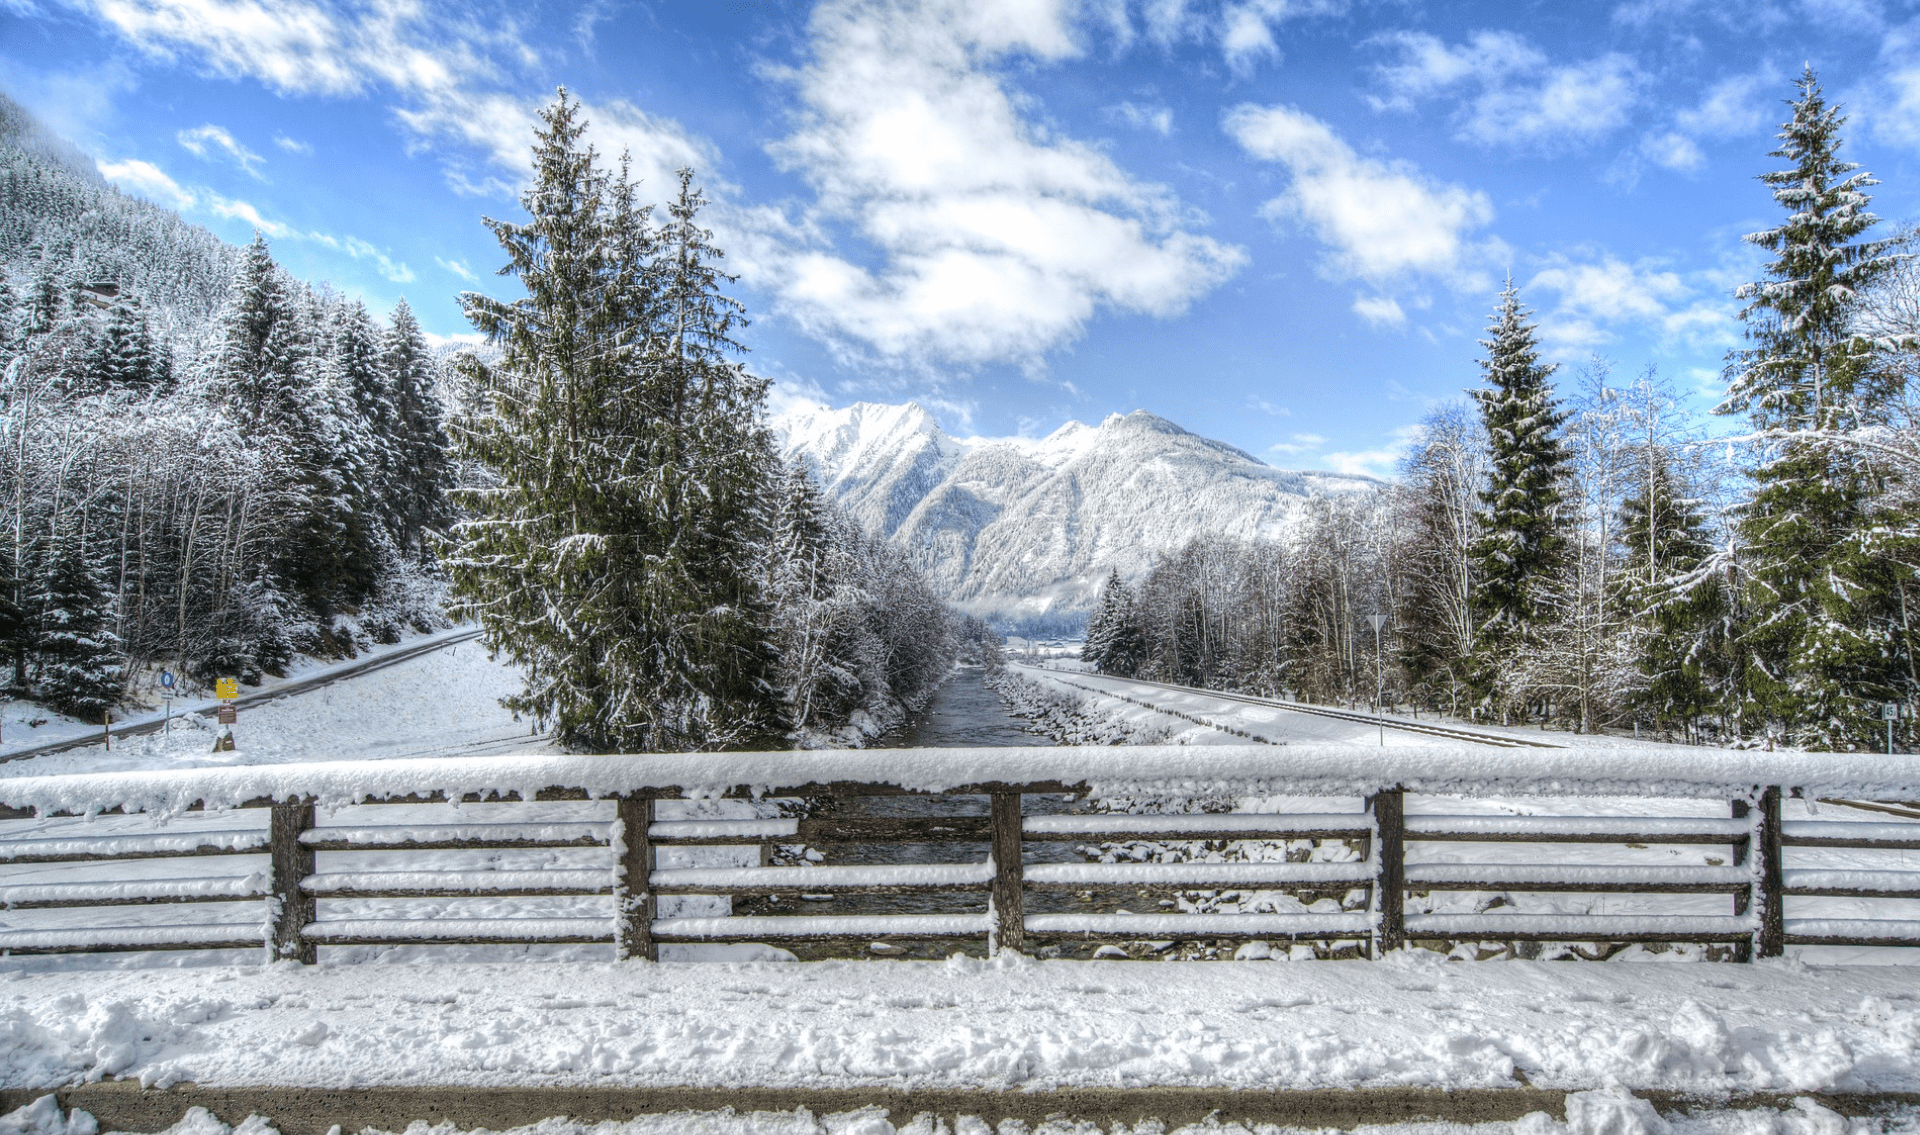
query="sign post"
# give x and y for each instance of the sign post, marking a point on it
(1889, 713)
(166, 684)
(228, 691)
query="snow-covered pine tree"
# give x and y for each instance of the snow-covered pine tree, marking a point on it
(270, 369)
(1673, 589)
(126, 357)
(613, 553)
(1438, 622)
(78, 664)
(419, 477)
(1522, 542)
(1116, 643)
(15, 640)
(1826, 641)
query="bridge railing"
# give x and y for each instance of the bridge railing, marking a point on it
(296, 857)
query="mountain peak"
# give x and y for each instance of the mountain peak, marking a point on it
(1025, 530)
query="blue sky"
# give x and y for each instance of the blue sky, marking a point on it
(1281, 223)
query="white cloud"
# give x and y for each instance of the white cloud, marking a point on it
(1522, 99)
(1158, 119)
(209, 140)
(995, 238)
(1731, 107)
(1380, 311)
(360, 250)
(1298, 444)
(1595, 296)
(458, 268)
(148, 180)
(292, 145)
(1383, 220)
(1381, 462)
(1672, 150)
(1254, 401)
(444, 70)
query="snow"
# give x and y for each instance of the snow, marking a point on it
(1165, 770)
(1197, 874)
(444, 702)
(829, 877)
(1409, 1020)
(1606, 1111)
(1024, 526)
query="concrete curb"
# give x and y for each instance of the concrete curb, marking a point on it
(126, 1106)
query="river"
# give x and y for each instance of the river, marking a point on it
(964, 713)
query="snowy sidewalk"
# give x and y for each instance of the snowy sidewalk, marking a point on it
(1410, 1021)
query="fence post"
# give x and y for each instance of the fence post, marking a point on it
(1009, 930)
(1770, 936)
(1743, 900)
(1389, 810)
(292, 862)
(632, 881)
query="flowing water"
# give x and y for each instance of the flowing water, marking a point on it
(964, 713)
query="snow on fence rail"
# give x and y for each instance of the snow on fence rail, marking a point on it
(279, 861)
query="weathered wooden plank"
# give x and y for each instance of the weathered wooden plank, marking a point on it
(1008, 900)
(1769, 938)
(92, 857)
(136, 900)
(453, 844)
(1389, 811)
(456, 893)
(127, 948)
(633, 902)
(291, 862)
(1583, 888)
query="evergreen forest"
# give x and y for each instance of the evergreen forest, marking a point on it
(1575, 549)
(214, 467)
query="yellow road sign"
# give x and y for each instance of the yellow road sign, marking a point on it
(226, 689)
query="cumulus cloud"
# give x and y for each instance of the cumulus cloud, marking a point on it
(1511, 93)
(155, 184)
(1383, 220)
(444, 71)
(994, 238)
(1731, 107)
(1672, 150)
(148, 180)
(1594, 296)
(1158, 119)
(1379, 462)
(213, 142)
(1380, 311)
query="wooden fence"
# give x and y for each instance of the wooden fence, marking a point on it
(1021, 901)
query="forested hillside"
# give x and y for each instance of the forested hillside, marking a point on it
(1592, 556)
(209, 464)
(212, 466)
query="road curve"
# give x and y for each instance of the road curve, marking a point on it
(296, 686)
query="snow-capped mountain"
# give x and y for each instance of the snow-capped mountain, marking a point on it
(1025, 530)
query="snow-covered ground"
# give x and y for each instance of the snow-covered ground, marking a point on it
(1411, 1020)
(446, 702)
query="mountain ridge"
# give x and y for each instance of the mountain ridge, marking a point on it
(1025, 530)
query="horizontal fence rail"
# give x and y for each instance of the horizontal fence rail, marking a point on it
(585, 865)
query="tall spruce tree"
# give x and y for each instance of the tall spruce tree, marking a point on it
(78, 663)
(1826, 641)
(1522, 540)
(419, 476)
(1675, 597)
(612, 554)
(1116, 642)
